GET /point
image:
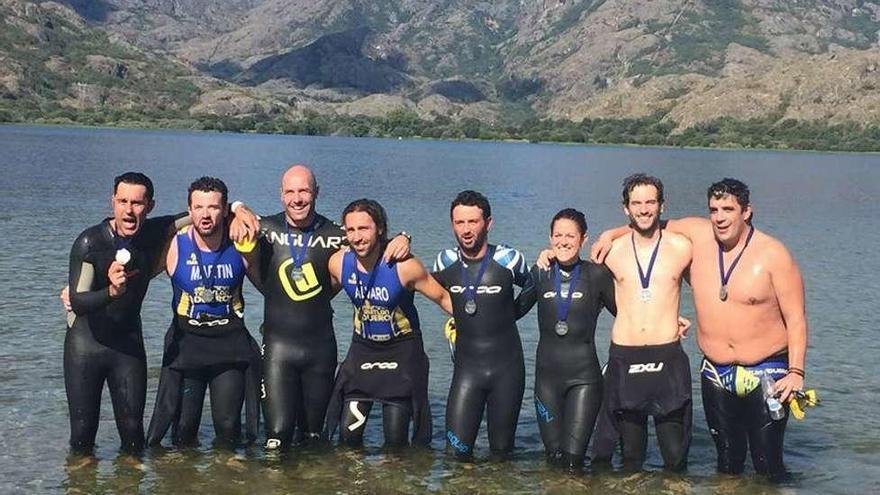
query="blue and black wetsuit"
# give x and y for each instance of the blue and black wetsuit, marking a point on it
(299, 346)
(738, 417)
(386, 361)
(568, 378)
(489, 372)
(206, 345)
(104, 340)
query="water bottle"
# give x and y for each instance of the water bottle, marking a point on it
(773, 404)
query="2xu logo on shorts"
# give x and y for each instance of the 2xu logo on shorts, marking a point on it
(483, 289)
(645, 368)
(383, 365)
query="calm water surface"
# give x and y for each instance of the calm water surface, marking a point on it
(54, 182)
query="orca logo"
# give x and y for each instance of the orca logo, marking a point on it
(384, 365)
(550, 294)
(483, 289)
(208, 323)
(645, 368)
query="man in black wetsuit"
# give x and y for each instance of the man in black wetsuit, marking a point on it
(568, 378)
(111, 265)
(489, 371)
(299, 346)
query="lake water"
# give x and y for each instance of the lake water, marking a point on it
(54, 182)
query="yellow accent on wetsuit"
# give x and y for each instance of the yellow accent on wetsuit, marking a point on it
(746, 381)
(449, 330)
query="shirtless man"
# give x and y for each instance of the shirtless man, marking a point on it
(648, 373)
(749, 298)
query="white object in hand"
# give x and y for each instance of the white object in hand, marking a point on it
(123, 256)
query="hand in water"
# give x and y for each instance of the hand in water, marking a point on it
(683, 326)
(397, 249)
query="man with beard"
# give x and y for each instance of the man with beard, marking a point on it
(647, 373)
(749, 297)
(299, 346)
(207, 343)
(111, 265)
(489, 372)
(386, 361)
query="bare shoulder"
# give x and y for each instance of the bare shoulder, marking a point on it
(335, 262)
(410, 268)
(677, 241)
(774, 251)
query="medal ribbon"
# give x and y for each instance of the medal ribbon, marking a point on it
(725, 275)
(119, 241)
(564, 304)
(208, 282)
(299, 255)
(367, 289)
(470, 288)
(646, 279)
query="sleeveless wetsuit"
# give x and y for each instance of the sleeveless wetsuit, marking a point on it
(568, 379)
(489, 371)
(386, 361)
(207, 344)
(299, 346)
(738, 417)
(104, 340)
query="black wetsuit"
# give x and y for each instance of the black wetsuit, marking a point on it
(489, 370)
(738, 418)
(568, 378)
(299, 346)
(104, 340)
(206, 345)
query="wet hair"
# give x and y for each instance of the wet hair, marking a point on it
(735, 188)
(640, 179)
(472, 198)
(570, 214)
(376, 212)
(730, 186)
(208, 184)
(134, 178)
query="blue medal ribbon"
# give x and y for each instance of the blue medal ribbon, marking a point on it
(299, 255)
(470, 288)
(208, 274)
(725, 275)
(367, 289)
(563, 304)
(644, 278)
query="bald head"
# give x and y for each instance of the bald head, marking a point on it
(299, 172)
(298, 193)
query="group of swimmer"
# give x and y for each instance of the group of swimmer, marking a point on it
(747, 289)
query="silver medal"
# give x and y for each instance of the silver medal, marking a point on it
(561, 328)
(123, 256)
(645, 295)
(470, 307)
(722, 294)
(296, 274)
(208, 295)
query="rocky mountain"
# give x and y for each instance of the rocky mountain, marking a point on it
(691, 60)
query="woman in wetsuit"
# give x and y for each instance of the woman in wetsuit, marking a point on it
(386, 361)
(568, 379)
